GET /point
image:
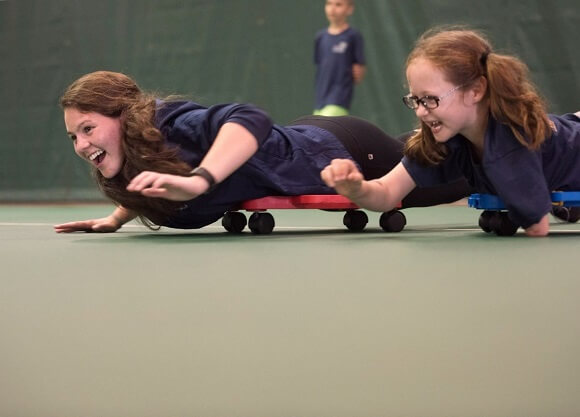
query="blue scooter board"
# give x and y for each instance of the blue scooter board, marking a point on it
(495, 219)
(493, 202)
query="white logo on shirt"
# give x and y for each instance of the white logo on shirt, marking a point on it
(340, 48)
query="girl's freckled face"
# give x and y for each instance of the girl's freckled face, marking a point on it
(449, 118)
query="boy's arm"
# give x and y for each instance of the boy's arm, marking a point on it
(358, 72)
(358, 58)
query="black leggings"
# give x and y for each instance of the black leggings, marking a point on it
(377, 153)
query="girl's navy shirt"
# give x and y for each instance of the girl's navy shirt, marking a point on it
(288, 161)
(523, 179)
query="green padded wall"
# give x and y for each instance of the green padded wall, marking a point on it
(258, 51)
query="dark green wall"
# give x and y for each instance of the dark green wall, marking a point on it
(258, 51)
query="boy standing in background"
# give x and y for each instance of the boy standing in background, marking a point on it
(339, 59)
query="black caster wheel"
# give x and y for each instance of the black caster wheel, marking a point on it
(261, 223)
(355, 220)
(234, 221)
(392, 221)
(484, 220)
(567, 214)
(574, 215)
(502, 225)
(560, 213)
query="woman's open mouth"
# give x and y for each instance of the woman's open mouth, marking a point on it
(97, 156)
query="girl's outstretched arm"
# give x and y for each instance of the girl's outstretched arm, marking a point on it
(111, 223)
(382, 194)
(233, 146)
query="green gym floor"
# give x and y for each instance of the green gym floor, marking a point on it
(439, 320)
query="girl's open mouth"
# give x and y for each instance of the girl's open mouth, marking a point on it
(435, 126)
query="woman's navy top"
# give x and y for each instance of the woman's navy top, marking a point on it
(288, 161)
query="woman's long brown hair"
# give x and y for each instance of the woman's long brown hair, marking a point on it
(464, 56)
(116, 95)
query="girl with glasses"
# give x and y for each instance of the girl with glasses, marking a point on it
(480, 118)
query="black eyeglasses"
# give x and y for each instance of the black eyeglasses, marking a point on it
(429, 102)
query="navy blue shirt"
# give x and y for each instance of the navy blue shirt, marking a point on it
(523, 179)
(288, 160)
(334, 56)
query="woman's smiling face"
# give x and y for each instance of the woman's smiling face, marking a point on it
(97, 139)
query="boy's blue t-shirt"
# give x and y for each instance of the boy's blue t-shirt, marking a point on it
(334, 56)
(522, 178)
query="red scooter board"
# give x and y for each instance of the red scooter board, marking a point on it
(311, 201)
(261, 222)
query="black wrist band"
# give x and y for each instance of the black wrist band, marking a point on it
(204, 173)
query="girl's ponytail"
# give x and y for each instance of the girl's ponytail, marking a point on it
(514, 100)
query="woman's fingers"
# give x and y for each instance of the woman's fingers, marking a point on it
(152, 184)
(80, 226)
(142, 181)
(171, 187)
(155, 192)
(77, 226)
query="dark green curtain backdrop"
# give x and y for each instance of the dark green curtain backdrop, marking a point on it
(257, 51)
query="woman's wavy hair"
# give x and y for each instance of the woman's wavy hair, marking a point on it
(464, 56)
(116, 95)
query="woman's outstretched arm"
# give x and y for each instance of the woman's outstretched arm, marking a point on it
(233, 146)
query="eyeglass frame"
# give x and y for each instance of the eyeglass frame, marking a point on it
(421, 100)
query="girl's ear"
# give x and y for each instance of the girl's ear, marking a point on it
(478, 89)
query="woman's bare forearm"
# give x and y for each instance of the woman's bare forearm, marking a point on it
(122, 215)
